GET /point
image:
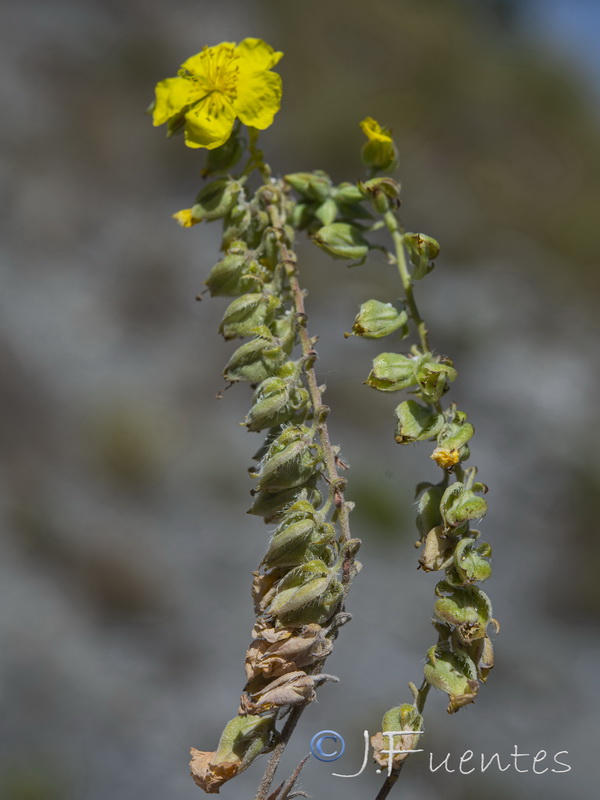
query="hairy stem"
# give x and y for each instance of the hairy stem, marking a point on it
(396, 234)
(389, 783)
(274, 197)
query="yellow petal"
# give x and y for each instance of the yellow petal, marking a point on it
(374, 132)
(185, 218)
(256, 55)
(258, 99)
(200, 63)
(172, 97)
(209, 123)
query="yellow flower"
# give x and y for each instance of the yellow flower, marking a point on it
(445, 458)
(215, 87)
(374, 131)
(379, 151)
(185, 218)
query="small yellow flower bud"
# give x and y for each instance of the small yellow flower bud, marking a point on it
(379, 151)
(185, 218)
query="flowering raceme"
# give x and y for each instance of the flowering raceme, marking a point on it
(215, 87)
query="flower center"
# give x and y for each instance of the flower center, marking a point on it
(219, 71)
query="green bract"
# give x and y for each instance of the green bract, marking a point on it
(416, 422)
(460, 504)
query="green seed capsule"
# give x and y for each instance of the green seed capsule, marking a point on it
(276, 401)
(255, 360)
(235, 274)
(392, 372)
(288, 546)
(273, 506)
(300, 586)
(246, 313)
(376, 319)
(342, 240)
(327, 211)
(290, 467)
(319, 611)
(422, 250)
(312, 185)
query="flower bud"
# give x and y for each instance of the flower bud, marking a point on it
(416, 422)
(376, 319)
(392, 372)
(342, 240)
(379, 151)
(246, 313)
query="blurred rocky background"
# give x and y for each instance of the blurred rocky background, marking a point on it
(126, 552)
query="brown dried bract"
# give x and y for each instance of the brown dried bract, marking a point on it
(209, 775)
(293, 689)
(273, 657)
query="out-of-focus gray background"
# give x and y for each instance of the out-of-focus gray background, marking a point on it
(126, 552)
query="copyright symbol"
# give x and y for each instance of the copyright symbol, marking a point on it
(319, 739)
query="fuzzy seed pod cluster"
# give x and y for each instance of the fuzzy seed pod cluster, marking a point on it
(463, 655)
(297, 591)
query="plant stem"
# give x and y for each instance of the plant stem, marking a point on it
(274, 197)
(389, 783)
(396, 234)
(286, 733)
(288, 259)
